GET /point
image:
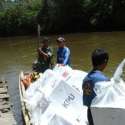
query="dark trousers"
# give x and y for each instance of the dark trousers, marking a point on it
(89, 116)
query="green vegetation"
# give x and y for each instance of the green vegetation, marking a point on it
(60, 16)
(18, 17)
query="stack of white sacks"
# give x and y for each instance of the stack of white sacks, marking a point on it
(56, 98)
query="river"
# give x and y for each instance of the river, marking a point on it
(18, 53)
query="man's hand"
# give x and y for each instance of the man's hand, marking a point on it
(45, 56)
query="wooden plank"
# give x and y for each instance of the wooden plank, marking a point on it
(3, 81)
(2, 107)
(7, 119)
(3, 86)
(6, 115)
(5, 102)
(4, 96)
(3, 90)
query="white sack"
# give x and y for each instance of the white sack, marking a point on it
(64, 95)
(43, 96)
(111, 93)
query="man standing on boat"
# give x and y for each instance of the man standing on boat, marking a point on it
(44, 56)
(63, 52)
(99, 61)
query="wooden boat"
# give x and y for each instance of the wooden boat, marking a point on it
(101, 116)
(25, 112)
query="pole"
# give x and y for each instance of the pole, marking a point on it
(38, 32)
(35, 63)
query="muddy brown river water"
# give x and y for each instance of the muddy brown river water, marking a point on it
(18, 53)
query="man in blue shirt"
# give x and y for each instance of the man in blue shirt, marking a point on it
(63, 52)
(99, 61)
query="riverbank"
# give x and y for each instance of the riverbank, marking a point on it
(22, 17)
(6, 115)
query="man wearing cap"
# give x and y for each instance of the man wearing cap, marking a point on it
(63, 52)
(44, 56)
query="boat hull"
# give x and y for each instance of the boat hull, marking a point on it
(25, 113)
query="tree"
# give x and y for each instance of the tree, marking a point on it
(118, 17)
(61, 16)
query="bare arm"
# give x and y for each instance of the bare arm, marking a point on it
(45, 55)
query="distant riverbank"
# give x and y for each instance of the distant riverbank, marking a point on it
(59, 17)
